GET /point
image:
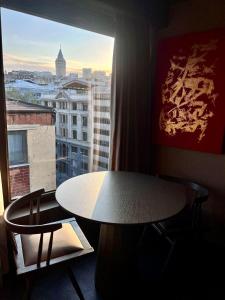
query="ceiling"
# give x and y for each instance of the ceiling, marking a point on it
(93, 15)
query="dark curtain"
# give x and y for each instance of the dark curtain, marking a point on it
(131, 97)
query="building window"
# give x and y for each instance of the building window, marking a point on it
(54, 104)
(74, 120)
(85, 107)
(84, 151)
(74, 134)
(63, 118)
(101, 153)
(74, 149)
(85, 121)
(101, 108)
(101, 143)
(63, 167)
(63, 105)
(74, 106)
(64, 132)
(46, 103)
(84, 136)
(101, 164)
(64, 150)
(101, 120)
(85, 166)
(17, 143)
(101, 131)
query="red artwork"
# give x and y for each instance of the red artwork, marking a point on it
(189, 107)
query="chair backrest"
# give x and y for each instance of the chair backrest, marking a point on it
(200, 196)
(31, 200)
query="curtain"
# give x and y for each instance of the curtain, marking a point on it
(131, 105)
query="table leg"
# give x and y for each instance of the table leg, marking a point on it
(115, 270)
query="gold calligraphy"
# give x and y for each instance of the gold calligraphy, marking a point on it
(188, 94)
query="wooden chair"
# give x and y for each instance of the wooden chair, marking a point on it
(189, 222)
(38, 246)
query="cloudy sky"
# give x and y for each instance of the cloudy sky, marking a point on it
(32, 43)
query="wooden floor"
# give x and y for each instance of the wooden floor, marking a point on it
(196, 272)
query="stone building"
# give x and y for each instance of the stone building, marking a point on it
(60, 65)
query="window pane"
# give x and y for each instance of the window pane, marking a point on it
(58, 112)
(17, 144)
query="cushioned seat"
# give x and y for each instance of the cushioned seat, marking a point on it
(65, 241)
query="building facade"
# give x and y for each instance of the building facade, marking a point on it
(72, 105)
(31, 144)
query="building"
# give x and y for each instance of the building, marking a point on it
(60, 65)
(72, 105)
(87, 73)
(31, 143)
(82, 127)
(101, 125)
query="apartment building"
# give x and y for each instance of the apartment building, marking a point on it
(72, 104)
(31, 143)
(101, 125)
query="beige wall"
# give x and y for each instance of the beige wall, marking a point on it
(42, 156)
(208, 169)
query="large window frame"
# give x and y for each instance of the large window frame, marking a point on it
(4, 163)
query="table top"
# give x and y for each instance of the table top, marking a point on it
(121, 197)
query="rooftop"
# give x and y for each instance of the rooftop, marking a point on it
(13, 105)
(76, 84)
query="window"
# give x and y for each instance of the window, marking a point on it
(63, 105)
(101, 153)
(84, 136)
(101, 108)
(85, 107)
(74, 106)
(64, 132)
(85, 121)
(85, 166)
(84, 151)
(74, 149)
(17, 144)
(101, 131)
(74, 120)
(101, 120)
(101, 164)
(57, 143)
(64, 150)
(63, 118)
(63, 167)
(74, 134)
(101, 143)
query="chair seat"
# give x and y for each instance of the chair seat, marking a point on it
(65, 241)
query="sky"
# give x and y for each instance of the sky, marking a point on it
(32, 43)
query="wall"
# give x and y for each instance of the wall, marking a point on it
(19, 118)
(41, 156)
(208, 169)
(19, 180)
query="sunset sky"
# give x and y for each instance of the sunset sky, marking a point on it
(32, 43)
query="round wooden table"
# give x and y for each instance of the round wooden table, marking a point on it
(118, 200)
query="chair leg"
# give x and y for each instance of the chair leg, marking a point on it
(75, 284)
(168, 259)
(27, 291)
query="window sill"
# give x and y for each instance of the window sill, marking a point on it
(19, 165)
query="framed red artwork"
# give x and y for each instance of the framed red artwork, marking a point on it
(189, 106)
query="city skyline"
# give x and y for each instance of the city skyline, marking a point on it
(34, 48)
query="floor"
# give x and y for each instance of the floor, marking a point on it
(196, 271)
